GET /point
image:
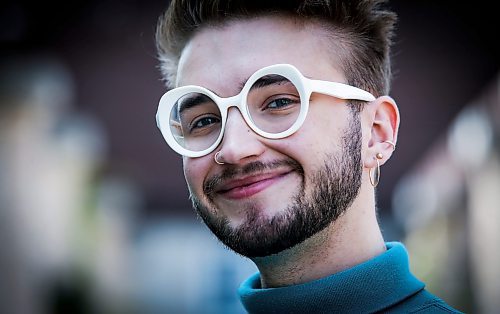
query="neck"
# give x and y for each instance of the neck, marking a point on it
(353, 238)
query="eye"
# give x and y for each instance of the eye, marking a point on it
(281, 103)
(203, 123)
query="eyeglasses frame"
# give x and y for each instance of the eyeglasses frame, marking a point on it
(305, 88)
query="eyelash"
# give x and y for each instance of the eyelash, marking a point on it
(193, 125)
(290, 99)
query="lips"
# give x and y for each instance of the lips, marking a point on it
(249, 185)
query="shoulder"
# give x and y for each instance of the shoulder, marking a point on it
(421, 302)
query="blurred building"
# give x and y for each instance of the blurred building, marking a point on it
(48, 157)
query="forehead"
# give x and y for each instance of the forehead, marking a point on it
(221, 58)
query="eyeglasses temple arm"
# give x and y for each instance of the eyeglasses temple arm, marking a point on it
(340, 90)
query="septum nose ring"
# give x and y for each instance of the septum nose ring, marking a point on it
(216, 158)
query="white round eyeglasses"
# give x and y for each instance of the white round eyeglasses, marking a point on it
(274, 103)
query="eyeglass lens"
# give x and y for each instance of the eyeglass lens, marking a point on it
(273, 105)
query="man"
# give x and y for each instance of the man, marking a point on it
(281, 113)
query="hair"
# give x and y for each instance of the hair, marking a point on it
(361, 30)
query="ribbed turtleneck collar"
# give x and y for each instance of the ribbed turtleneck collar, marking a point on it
(368, 287)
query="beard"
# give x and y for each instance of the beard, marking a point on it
(334, 186)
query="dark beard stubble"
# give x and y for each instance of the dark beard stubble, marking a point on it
(335, 186)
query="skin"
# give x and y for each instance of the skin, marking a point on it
(221, 59)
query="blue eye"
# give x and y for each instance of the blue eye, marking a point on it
(279, 103)
(204, 123)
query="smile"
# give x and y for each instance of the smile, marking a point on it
(249, 186)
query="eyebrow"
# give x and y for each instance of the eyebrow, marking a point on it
(190, 102)
(270, 79)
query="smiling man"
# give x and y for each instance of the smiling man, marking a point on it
(281, 113)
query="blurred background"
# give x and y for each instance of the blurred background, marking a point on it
(94, 210)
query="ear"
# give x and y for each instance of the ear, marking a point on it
(384, 118)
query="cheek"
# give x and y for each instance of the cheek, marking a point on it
(319, 135)
(195, 170)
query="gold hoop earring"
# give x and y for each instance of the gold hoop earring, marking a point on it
(392, 144)
(216, 158)
(375, 174)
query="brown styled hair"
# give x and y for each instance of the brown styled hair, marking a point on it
(361, 29)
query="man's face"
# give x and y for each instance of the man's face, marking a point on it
(271, 194)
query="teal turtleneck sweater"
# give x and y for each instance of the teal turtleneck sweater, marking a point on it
(382, 284)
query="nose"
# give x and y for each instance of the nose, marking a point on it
(240, 142)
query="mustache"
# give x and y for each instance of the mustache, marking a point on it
(232, 171)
